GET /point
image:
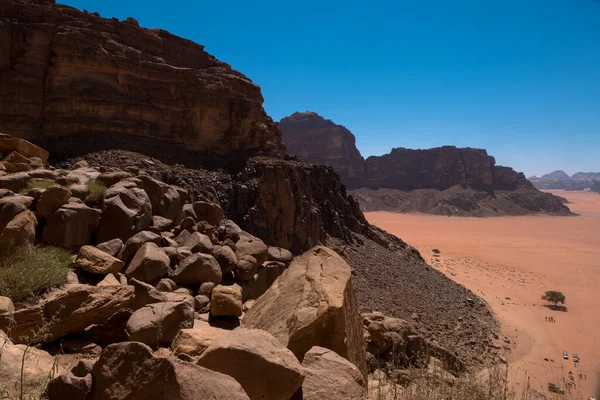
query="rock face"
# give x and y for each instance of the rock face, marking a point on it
(312, 304)
(320, 141)
(142, 89)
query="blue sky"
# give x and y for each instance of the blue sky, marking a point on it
(520, 78)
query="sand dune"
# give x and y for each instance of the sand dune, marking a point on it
(510, 262)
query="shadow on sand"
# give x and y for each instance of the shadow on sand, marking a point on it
(556, 308)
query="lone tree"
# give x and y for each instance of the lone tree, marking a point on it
(554, 297)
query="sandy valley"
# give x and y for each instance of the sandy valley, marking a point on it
(510, 262)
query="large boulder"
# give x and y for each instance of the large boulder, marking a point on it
(165, 199)
(226, 258)
(226, 301)
(258, 361)
(112, 247)
(197, 269)
(6, 305)
(135, 242)
(37, 365)
(198, 242)
(204, 211)
(149, 263)
(279, 254)
(9, 144)
(126, 211)
(158, 324)
(129, 371)
(20, 230)
(71, 226)
(251, 245)
(51, 200)
(16, 162)
(69, 311)
(329, 376)
(193, 342)
(313, 304)
(14, 182)
(75, 384)
(11, 206)
(95, 261)
(145, 294)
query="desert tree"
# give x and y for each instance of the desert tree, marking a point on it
(555, 297)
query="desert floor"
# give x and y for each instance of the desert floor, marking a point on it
(510, 262)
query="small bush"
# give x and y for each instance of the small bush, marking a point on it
(26, 271)
(95, 192)
(38, 184)
(436, 251)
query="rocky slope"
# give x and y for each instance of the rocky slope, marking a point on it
(444, 180)
(560, 180)
(320, 141)
(596, 186)
(75, 82)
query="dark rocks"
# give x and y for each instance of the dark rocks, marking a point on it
(157, 324)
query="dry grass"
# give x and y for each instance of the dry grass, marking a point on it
(96, 191)
(26, 271)
(38, 184)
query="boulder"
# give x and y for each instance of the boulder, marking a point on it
(110, 178)
(198, 242)
(253, 246)
(279, 254)
(51, 200)
(246, 268)
(166, 285)
(149, 263)
(165, 199)
(145, 294)
(329, 376)
(75, 384)
(136, 241)
(20, 230)
(206, 289)
(182, 237)
(71, 226)
(161, 224)
(226, 301)
(193, 342)
(16, 162)
(66, 312)
(11, 206)
(14, 182)
(197, 269)
(204, 211)
(37, 366)
(262, 280)
(313, 304)
(129, 371)
(126, 211)
(258, 361)
(202, 303)
(6, 305)
(95, 261)
(157, 324)
(112, 330)
(226, 258)
(112, 247)
(109, 280)
(9, 144)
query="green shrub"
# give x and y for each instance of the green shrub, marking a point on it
(38, 184)
(95, 192)
(26, 271)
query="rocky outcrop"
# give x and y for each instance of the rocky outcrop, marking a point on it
(320, 141)
(596, 186)
(312, 304)
(74, 82)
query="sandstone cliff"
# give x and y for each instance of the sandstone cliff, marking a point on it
(73, 81)
(320, 141)
(560, 180)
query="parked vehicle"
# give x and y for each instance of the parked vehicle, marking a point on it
(565, 355)
(575, 357)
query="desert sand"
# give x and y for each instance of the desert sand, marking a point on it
(510, 262)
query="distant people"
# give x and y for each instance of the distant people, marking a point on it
(546, 318)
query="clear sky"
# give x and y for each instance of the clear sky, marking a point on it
(520, 78)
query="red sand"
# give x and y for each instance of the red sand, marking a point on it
(510, 262)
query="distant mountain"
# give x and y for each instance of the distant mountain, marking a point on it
(556, 175)
(560, 180)
(444, 180)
